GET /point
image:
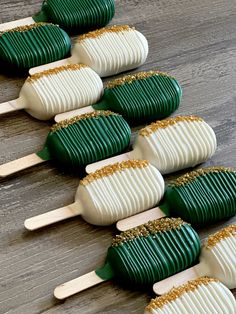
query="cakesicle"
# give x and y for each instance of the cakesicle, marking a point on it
(109, 194)
(139, 97)
(199, 197)
(142, 256)
(170, 145)
(78, 141)
(74, 16)
(29, 46)
(50, 92)
(108, 51)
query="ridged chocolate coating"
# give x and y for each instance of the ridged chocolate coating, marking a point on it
(33, 45)
(87, 139)
(208, 196)
(150, 97)
(77, 15)
(148, 256)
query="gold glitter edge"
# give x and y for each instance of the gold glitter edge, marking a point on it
(94, 114)
(25, 28)
(99, 32)
(149, 228)
(110, 169)
(128, 79)
(162, 124)
(220, 235)
(54, 71)
(190, 176)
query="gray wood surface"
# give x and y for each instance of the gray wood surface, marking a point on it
(194, 40)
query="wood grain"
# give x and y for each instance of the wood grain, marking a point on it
(194, 40)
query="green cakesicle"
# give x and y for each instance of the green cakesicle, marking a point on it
(203, 196)
(142, 256)
(141, 97)
(76, 142)
(77, 15)
(86, 138)
(151, 252)
(28, 46)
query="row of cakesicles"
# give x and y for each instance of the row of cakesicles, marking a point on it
(108, 51)
(169, 145)
(141, 97)
(199, 197)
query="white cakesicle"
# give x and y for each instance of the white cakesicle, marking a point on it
(171, 145)
(58, 90)
(108, 51)
(200, 296)
(61, 89)
(111, 193)
(111, 52)
(217, 260)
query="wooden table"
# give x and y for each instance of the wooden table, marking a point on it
(194, 40)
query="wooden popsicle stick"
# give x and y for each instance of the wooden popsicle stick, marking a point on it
(20, 164)
(73, 113)
(181, 278)
(11, 105)
(97, 165)
(77, 285)
(52, 217)
(48, 66)
(17, 23)
(139, 219)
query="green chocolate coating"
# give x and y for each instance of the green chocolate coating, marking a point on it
(145, 260)
(149, 99)
(87, 140)
(206, 199)
(77, 15)
(33, 47)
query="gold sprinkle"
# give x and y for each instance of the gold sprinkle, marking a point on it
(190, 176)
(109, 170)
(220, 235)
(153, 127)
(101, 31)
(149, 228)
(175, 293)
(26, 28)
(133, 77)
(94, 114)
(54, 71)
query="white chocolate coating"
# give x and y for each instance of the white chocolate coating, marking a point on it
(179, 146)
(112, 52)
(124, 193)
(219, 262)
(61, 91)
(213, 298)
